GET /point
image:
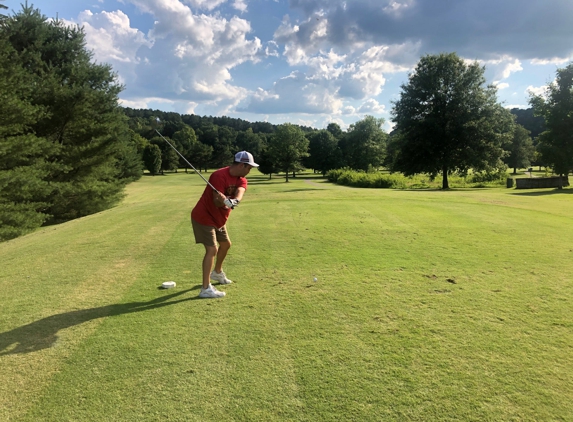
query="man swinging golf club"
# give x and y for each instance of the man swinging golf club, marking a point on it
(223, 193)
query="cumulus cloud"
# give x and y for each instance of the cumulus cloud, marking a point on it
(240, 5)
(112, 40)
(295, 93)
(371, 106)
(474, 28)
(186, 56)
(536, 90)
(330, 75)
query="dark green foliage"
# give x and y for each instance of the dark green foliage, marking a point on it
(324, 151)
(364, 145)
(287, 148)
(252, 142)
(490, 175)
(169, 158)
(448, 120)
(335, 130)
(67, 143)
(23, 169)
(520, 148)
(152, 159)
(556, 106)
(349, 177)
(527, 118)
(266, 164)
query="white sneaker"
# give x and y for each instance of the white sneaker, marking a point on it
(211, 292)
(220, 277)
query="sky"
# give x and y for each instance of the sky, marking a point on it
(311, 62)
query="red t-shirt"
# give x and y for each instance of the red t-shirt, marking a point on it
(205, 212)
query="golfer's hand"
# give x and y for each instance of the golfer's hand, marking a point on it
(231, 203)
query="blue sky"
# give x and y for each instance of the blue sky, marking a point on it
(312, 62)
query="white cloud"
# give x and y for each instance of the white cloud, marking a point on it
(240, 5)
(511, 106)
(112, 40)
(203, 4)
(502, 67)
(540, 90)
(555, 61)
(371, 106)
(185, 56)
(473, 28)
(502, 85)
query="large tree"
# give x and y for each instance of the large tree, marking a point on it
(324, 151)
(152, 158)
(287, 148)
(520, 148)
(556, 106)
(448, 119)
(83, 120)
(23, 169)
(364, 145)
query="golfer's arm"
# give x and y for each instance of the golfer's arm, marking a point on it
(218, 199)
(239, 194)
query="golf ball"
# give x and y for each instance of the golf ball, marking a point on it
(315, 279)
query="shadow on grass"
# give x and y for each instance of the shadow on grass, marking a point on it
(564, 191)
(43, 333)
(300, 190)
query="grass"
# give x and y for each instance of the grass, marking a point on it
(429, 305)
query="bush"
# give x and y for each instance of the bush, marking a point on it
(360, 179)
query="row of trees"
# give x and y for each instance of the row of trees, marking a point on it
(284, 148)
(65, 148)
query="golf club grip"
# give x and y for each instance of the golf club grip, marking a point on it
(190, 165)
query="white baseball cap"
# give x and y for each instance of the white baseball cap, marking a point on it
(246, 158)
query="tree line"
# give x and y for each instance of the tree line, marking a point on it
(68, 149)
(285, 148)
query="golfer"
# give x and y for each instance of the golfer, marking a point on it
(209, 218)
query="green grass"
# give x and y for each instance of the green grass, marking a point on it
(429, 306)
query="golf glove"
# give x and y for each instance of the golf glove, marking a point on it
(231, 203)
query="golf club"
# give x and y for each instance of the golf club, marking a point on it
(190, 165)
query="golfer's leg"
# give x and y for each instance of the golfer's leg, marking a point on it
(210, 253)
(221, 254)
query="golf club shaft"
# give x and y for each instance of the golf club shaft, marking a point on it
(190, 165)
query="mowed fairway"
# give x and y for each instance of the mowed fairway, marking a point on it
(429, 306)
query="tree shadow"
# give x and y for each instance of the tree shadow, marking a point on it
(563, 191)
(43, 333)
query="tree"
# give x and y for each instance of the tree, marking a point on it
(448, 119)
(83, 120)
(324, 151)
(335, 130)
(152, 159)
(364, 144)
(252, 142)
(520, 148)
(556, 106)
(169, 158)
(184, 141)
(527, 118)
(266, 163)
(23, 169)
(288, 146)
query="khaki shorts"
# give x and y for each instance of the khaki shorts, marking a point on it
(209, 235)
